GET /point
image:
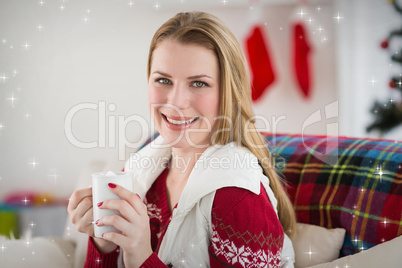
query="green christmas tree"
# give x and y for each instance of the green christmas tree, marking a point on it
(388, 115)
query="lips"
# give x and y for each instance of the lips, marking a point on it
(178, 123)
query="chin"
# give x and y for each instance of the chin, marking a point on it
(184, 140)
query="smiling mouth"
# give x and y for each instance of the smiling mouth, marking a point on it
(179, 122)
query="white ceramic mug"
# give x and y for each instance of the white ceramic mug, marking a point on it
(101, 192)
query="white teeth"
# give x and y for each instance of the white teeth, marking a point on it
(177, 122)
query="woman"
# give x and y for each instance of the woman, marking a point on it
(211, 197)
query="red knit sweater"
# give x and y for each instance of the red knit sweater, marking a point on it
(245, 230)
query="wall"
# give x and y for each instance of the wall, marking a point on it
(364, 68)
(69, 62)
(93, 54)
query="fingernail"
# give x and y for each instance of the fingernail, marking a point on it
(103, 234)
(138, 196)
(100, 204)
(112, 185)
(97, 222)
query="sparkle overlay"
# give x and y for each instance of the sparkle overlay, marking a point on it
(68, 231)
(33, 163)
(310, 252)
(26, 201)
(301, 13)
(373, 81)
(54, 176)
(27, 242)
(26, 45)
(85, 19)
(12, 99)
(3, 248)
(380, 173)
(338, 17)
(316, 29)
(157, 6)
(4, 78)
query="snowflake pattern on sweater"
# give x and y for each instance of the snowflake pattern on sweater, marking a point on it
(243, 255)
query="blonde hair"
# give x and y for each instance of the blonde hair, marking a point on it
(235, 94)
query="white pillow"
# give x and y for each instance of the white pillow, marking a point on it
(387, 255)
(36, 252)
(314, 244)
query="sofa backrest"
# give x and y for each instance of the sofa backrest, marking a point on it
(355, 184)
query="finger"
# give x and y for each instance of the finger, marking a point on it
(125, 208)
(76, 198)
(116, 238)
(81, 209)
(133, 199)
(116, 221)
(85, 225)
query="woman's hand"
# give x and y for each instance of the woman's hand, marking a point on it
(81, 214)
(135, 237)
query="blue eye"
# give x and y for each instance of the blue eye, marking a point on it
(199, 84)
(163, 81)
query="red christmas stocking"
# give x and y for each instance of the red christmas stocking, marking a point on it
(260, 64)
(301, 49)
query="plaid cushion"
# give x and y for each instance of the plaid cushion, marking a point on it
(355, 184)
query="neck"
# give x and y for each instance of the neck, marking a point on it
(184, 159)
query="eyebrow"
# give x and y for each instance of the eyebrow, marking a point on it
(190, 77)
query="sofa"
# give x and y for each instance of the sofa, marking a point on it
(347, 184)
(347, 194)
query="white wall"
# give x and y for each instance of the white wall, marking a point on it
(69, 62)
(72, 61)
(361, 61)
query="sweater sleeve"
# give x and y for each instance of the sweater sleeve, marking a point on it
(97, 259)
(246, 231)
(153, 261)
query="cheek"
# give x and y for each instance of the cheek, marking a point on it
(151, 95)
(153, 101)
(155, 96)
(209, 105)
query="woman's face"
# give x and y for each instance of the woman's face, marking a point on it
(183, 94)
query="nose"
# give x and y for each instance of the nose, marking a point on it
(179, 96)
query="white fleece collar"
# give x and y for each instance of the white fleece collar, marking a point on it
(218, 167)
